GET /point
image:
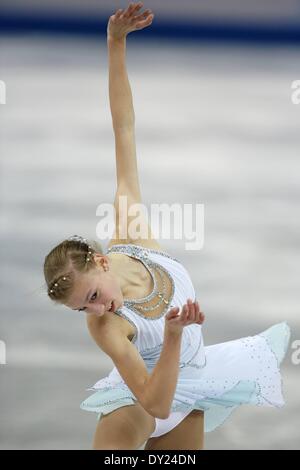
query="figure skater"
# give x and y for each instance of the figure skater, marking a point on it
(166, 388)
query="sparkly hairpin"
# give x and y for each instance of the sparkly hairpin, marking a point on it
(78, 238)
(55, 285)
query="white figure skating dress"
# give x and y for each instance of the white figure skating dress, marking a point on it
(217, 378)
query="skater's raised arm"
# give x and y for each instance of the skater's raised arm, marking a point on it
(123, 119)
(120, 97)
(119, 26)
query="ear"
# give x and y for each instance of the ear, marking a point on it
(100, 259)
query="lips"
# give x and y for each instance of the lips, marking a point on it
(111, 307)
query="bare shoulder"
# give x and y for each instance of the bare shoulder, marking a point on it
(104, 328)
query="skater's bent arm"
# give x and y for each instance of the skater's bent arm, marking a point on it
(155, 391)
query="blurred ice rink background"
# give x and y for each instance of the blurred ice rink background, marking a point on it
(215, 124)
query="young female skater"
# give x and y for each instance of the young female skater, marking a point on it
(141, 310)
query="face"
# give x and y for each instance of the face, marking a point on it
(94, 291)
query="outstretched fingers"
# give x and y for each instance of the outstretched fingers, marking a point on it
(118, 14)
(146, 20)
(200, 315)
(194, 313)
(133, 8)
(190, 314)
(142, 19)
(126, 21)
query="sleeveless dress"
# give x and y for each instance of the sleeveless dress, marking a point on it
(216, 379)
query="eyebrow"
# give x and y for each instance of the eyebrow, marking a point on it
(84, 301)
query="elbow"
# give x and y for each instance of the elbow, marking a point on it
(163, 415)
(158, 413)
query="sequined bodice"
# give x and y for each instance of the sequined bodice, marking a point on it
(148, 325)
(155, 262)
(157, 303)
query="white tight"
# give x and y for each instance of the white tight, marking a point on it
(165, 425)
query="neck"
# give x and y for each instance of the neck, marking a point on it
(121, 270)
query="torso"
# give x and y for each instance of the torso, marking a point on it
(140, 285)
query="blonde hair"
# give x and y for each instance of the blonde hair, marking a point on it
(63, 265)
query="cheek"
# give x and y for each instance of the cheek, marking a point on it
(110, 292)
(106, 296)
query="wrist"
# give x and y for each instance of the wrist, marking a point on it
(173, 335)
(115, 40)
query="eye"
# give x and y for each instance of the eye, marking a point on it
(92, 298)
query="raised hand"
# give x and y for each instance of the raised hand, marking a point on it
(190, 314)
(126, 21)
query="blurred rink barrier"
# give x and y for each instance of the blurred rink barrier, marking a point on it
(257, 20)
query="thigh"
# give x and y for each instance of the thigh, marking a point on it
(127, 427)
(187, 435)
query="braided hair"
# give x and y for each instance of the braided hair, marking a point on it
(68, 259)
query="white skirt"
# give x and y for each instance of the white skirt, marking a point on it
(237, 372)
